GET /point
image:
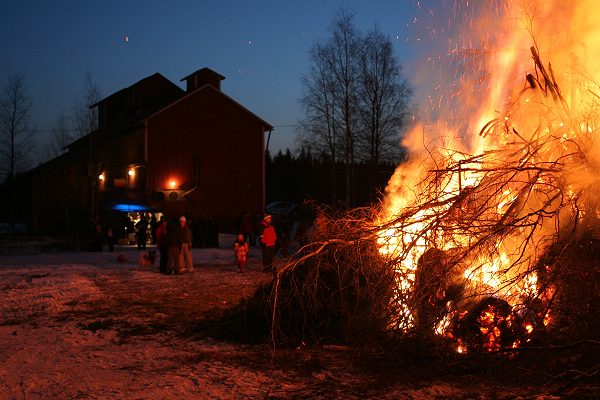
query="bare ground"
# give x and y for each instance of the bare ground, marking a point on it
(85, 326)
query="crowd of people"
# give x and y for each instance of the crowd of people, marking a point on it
(174, 242)
(174, 239)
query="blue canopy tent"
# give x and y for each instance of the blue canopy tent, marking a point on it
(130, 207)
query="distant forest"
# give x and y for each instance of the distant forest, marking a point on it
(306, 177)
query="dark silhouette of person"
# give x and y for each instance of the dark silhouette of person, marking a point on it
(142, 232)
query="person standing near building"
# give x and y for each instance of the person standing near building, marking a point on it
(268, 242)
(173, 248)
(110, 237)
(142, 232)
(161, 243)
(98, 236)
(185, 241)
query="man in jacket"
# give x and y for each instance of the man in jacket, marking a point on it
(185, 243)
(268, 242)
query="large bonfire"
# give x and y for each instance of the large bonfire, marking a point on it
(490, 197)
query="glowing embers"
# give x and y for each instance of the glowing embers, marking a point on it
(489, 188)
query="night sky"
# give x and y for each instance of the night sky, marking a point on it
(260, 46)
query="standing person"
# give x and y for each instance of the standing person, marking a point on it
(185, 242)
(142, 232)
(240, 247)
(283, 236)
(98, 236)
(161, 243)
(110, 238)
(130, 228)
(173, 248)
(268, 241)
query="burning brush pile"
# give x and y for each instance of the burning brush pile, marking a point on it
(495, 242)
(497, 248)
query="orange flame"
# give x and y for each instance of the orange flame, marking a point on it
(489, 110)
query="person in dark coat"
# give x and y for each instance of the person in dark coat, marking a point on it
(142, 232)
(185, 240)
(161, 244)
(172, 243)
(283, 229)
(110, 237)
(98, 236)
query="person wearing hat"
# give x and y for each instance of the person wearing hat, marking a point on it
(268, 242)
(185, 243)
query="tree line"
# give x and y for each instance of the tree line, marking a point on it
(307, 177)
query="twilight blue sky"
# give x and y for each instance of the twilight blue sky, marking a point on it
(260, 46)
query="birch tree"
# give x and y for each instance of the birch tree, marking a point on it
(17, 139)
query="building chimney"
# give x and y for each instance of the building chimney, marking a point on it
(202, 77)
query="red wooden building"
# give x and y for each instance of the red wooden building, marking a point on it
(159, 147)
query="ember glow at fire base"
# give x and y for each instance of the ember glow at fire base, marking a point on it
(509, 168)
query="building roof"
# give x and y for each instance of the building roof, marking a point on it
(267, 126)
(203, 71)
(149, 80)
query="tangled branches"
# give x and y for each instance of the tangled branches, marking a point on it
(337, 288)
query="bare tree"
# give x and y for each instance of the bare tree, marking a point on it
(344, 51)
(16, 140)
(60, 136)
(85, 118)
(320, 130)
(329, 99)
(383, 98)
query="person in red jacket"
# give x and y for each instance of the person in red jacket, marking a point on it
(268, 242)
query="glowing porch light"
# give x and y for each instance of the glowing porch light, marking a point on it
(172, 184)
(101, 176)
(131, 172)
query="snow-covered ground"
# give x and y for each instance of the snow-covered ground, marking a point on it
(82, 325)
